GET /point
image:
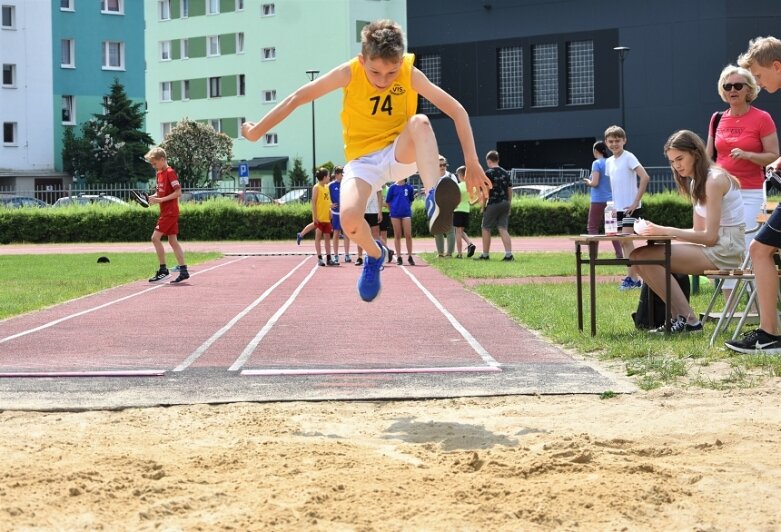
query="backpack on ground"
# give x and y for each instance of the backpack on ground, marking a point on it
(641, 317)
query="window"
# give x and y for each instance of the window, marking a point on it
(165, 9)
(511, 78)
(240, 42)
(114, 7)
(270, 139)
(106, 103)
(185, 8)
(269, 54)
(9, 133)
(215, 87)
(113, 55)
(165, 91)
(270, 96)
(212, 7)
(580, 73)
(213, 46)
(184, 44)
(66, 5)
(9, 76)
(165, 50)
(186, 89)
(67, 53)
(545, 72)
(431, 66)
(165, 128)
(215, 124)
(239, 5)
(9, 17)
(242, 86)
(68, 111)
(267, 10)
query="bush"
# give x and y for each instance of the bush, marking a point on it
(224, 219)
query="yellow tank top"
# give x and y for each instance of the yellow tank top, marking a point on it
(371, 120)
(323, 203)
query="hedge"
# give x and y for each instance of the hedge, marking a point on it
(223, 219)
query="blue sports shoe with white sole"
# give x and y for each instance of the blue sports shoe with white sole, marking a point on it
(440, 204)
(369, 282)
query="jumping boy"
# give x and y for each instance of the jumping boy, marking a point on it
(624, 170)
(383, 137)
(321, 217)
(763, 59)
(167, 196)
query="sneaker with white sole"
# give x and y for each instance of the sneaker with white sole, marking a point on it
(347, 258)
(183, 275)
(161, 274)
(629, 284)
(678, 325)
(755, 342)
(369, 285)
(440, 204)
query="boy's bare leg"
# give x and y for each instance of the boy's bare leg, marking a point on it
(327, 238)
(627, 247)
(486, 241)
(766, 279)
(396, 222)
(417, 143)
(318, 246)
(157, 242)
(354, 197)
(407, 224)
(173, 241)
(336, 241)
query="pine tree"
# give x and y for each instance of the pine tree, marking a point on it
(298, 176)
(279, 181)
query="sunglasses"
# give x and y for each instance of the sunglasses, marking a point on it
(729, 86)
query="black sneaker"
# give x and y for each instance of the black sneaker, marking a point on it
(440, 204)
(320, 262)
(411, 262)
(390, 255)
(359, 261)
(140, 198)
(756, 341)
(678, 326)
(159, 276)
(183, 276)
(508, 258)
(331, 262)
(483, 257)
(399, 260)
(470, 250)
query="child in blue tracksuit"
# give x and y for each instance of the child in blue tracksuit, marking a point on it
(399, 198)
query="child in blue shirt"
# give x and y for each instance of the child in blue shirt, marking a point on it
(399, 198)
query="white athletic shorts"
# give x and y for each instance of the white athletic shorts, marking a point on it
(379, 167)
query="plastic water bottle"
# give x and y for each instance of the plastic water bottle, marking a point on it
(611, 223)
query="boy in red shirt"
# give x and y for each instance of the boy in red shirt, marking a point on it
(167, 196)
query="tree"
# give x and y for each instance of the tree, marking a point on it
(298, 176)
(112, 144)
(279, 181)
(199, 154)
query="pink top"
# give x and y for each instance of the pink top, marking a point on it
(744, 132)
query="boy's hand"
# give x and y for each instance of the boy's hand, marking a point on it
(154, 200)
(246, 132)
(476, 181)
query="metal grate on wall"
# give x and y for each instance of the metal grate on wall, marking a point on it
(511, 77)
(431, 66)
(580, 73)
(545, 70)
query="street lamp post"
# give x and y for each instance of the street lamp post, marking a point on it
(312, 75)
(622, 51)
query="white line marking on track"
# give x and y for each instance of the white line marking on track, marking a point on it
(484, 354)
(116, 373)
(208, 343)
(244, 356)
(362, 371)
(104, 305)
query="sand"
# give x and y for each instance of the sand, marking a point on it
(671, 459)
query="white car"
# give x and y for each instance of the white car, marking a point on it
(88, 199)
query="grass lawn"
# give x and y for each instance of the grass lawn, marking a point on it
(550, 309)
(32, 282)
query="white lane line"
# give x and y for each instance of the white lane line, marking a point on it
(52, 374)
(479, 349)
(244, 356)
(367, 371)
(104, 305)
(208, 343)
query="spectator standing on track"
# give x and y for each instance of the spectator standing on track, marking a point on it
(461, 216)
(385, 140)
(600, 193)
(496, 207)
(763, 59)
(400, 197)
(321, 217)
(624, 170)
(439, 239)
(167, 196)
(334, 188)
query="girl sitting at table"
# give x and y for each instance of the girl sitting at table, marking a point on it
(716, 239)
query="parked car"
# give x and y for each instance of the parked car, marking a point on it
(253, 197)
(17, 202)
(89, 199)
(531, 190)
(551, 192)
(299, 195)
(199, 196)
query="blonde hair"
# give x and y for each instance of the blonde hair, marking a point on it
(615, 131)
(762, 51)
(155, 153)
(382, 39)
(731, 70)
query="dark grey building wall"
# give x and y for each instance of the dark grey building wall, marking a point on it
(678, 48)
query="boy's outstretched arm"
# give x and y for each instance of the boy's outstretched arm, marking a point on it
(337, 78)
(475, 177)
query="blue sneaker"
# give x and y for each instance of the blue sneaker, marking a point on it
(629, 284)
(369, 282)
(440, 204)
